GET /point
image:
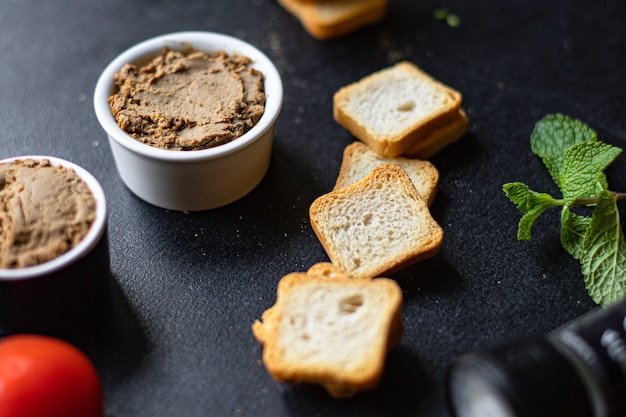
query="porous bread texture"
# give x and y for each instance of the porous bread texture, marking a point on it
(377, 225)
(327, 19)
(394, 108)
(333, 331)
(359, 160)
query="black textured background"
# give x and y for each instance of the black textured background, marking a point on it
(187, 287)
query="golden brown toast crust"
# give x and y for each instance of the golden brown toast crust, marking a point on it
(358, 161)
(328, 19)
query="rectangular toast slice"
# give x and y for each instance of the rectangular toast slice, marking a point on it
(393, 109)
(377, 225)
(334, 331)
(328, 19)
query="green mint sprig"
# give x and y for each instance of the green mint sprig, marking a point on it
(576, 160)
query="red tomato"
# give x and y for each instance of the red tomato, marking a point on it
(42, 376)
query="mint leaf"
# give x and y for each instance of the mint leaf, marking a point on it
(573, 229)
(576, 160)
(553, 135)
(530, 203)
(526, 222)
(603, 259)
(582, 170)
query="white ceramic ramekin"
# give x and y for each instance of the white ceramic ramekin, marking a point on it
(192, 180)
(59, 296)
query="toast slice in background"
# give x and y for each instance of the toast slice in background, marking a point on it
(393, 109)
(327, 19)
(333, 331)
(377, 225)
(359, 160)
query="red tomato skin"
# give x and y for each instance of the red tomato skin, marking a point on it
(41, 376)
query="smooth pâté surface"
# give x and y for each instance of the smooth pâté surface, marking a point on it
(188, 100)
(45, 211)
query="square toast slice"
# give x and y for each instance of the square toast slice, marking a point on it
(334, 331)
(393, 109)
(328, 19)
(377, 225)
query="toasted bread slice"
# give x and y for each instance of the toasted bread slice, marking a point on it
(377, 225)
(327, 19)
(440, 138)
(394, 108)
(359, 160)
(326, 269)
(333, 331)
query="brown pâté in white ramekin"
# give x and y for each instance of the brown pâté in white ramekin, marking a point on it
(45, 211)
(188, 100)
